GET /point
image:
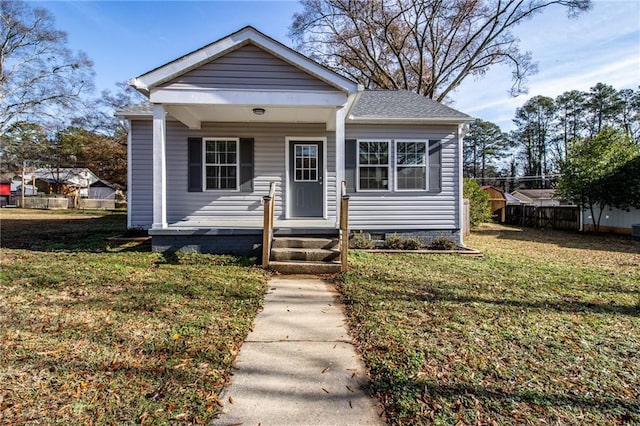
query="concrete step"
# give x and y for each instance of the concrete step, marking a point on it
(305, 242)
(308, 254)
(303, 267)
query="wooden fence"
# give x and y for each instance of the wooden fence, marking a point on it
(556, 217)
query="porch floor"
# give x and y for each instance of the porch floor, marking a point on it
(247, 227)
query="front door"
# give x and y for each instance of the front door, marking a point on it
(305, 179)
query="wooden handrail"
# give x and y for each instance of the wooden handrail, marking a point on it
(269, 202)
(344, 228)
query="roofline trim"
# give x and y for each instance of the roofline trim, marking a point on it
(409, 120)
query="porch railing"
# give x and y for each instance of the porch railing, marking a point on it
(344, 228)
(269, 202)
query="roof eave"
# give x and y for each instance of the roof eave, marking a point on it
(134, 115)
(410, 120)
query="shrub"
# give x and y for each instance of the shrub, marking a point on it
(442, 243)
(413, 243)
(479, 210)
(394, 242)
(361, 241)
(398, 242)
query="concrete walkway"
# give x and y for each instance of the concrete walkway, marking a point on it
(298, 365)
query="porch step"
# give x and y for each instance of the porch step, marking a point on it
(305, 242)
(305, 255)
(304, 267)
(308, 254)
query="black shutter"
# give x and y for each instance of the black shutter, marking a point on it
(435, 166)
(194, 165)
(350, 164)
(246, 164)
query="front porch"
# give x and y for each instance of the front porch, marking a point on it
(247, 238)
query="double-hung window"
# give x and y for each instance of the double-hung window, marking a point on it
(373, 165)
(221, 169)
(411, 165)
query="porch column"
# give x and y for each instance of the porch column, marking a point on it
(340, 117)
(159, 168)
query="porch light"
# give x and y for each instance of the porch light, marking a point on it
(259, 111)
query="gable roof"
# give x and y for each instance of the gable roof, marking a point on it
(247, 35)
(78, 176)
(401, 105)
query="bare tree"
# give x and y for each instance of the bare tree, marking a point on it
(428, 47)
(40, 77)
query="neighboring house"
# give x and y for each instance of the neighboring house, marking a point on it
(72, 180)
(613, 220)
(536, 197)
(229, 119)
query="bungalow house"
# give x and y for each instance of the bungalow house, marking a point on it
(245, 116)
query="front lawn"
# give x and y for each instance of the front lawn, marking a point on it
(107, 334)
(545, 328)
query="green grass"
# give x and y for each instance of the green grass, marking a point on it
(114, 334)
(545, 328)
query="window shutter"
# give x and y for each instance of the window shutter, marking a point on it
(435, 166)
(194, 166)
(246, 164)
(350, 163)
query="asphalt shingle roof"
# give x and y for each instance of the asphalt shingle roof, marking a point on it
(400, 104)
(144, 108)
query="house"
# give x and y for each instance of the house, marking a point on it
(536, 197)
(230, 121)
(69, 180)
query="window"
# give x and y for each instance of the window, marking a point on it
(221, 164)
(373, 165)
(411, 165)
(306, 166)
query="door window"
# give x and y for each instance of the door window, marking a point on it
(306, 163)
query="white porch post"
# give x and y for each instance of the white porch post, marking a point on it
(340, 118)
(159, 168)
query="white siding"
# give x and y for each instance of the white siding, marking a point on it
(408, 210)
(614, 218)
(247, 68)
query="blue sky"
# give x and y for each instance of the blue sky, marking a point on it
(126, 39)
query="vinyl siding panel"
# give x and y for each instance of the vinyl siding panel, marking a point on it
(247, 68)
(140, 209)
(269, 166)
(408, 210)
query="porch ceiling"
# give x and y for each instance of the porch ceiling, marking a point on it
(193, 115)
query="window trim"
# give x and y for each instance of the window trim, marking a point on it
(426, 165)
(236, 140)
(389, 168)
